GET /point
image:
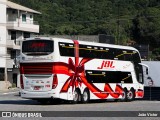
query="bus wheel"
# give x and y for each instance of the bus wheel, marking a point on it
(130, 95)
(85, 96)
(124, 96)
(76, 96)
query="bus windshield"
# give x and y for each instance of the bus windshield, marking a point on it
(37, 47)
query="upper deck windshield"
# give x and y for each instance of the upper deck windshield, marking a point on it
(37, 47)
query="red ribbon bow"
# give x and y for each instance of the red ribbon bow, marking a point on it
(77, 77)
(75, 71)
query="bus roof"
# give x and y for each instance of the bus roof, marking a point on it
(84, 42)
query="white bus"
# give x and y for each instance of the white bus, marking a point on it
(79, 71)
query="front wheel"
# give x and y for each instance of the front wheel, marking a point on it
(85, 96)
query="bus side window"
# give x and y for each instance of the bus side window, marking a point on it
(119, 55)
(87, 51)
(96, 53)
(66, 49)
(102, 55)
(110, 54)
(69, 52)
(136, 58)
(108, 77)
(99, 52)
(83, 51)
(106, 53)
(128, 55)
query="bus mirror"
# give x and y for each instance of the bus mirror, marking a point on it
(149, 78)
(147, 71)
(146, 66)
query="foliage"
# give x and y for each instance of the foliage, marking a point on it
(156, 51)
(137, 20)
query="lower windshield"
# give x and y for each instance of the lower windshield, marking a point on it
(37, 47)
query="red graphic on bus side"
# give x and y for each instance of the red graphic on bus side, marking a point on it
(76, 73)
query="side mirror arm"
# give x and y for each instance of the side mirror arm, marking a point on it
(146, 66)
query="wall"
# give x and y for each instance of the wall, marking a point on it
(154, 72)
(2, 33)
(3, 84)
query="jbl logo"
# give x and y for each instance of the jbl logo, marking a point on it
(106, 64)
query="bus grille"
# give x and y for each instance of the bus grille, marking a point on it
(36, 68)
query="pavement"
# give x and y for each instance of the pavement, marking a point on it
(10, 90)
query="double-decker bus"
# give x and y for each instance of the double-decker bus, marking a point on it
(79, 71)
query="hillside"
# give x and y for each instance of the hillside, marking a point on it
(137, 20)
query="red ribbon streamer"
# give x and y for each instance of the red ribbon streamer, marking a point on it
(77, 76)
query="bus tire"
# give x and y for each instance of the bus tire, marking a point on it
(76, 96)
(131, 95)
(85, 96)
(124, 96)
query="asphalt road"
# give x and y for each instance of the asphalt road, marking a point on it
(10, 101)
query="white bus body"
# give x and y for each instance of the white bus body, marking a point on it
(79, 71)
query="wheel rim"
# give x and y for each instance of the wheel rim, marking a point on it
(124, 96)
(75, 96)
(130, 95)
(85, 96)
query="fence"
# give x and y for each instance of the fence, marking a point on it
(151, 93)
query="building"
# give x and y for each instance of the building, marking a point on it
(16, 23)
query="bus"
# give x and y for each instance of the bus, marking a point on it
(79, 71)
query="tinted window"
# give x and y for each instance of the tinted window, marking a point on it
(119, 55)
(128, 55)
(139, 73)
(35, 47)
(89, 51)
(136, 58)
(66, 49)
(108, 77)
(1, 74)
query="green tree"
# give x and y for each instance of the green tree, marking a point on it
(124, 19)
